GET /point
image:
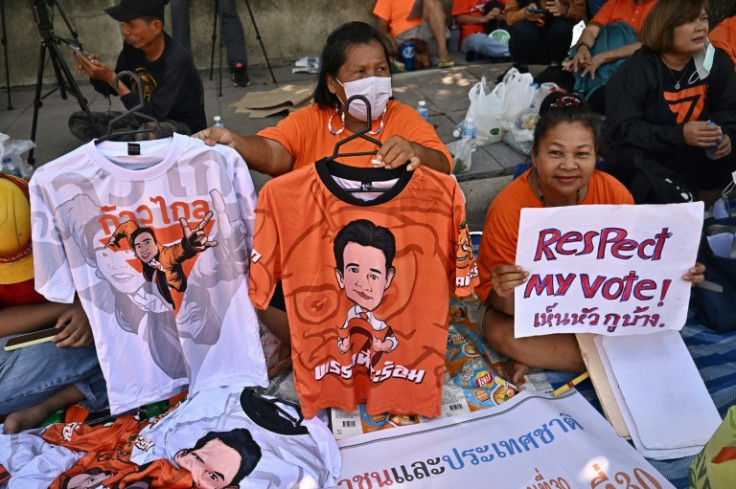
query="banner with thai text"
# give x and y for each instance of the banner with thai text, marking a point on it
(605, 269)
(532, 441)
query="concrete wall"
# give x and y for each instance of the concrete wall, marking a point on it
(290, 29)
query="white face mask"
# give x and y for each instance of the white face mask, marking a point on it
(377, 89)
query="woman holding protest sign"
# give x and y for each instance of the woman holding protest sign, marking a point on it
(564, 153)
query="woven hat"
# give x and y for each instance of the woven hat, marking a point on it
(16, 258)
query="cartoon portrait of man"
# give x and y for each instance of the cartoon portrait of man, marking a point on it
(91, 479)
(364, 255)
(164, 262)
(220, 460)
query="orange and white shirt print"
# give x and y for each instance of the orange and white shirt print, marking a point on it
(366, 283)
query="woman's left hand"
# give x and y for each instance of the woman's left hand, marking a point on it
(556, 8)
(724, 149)
(397, 151)
(695, 275)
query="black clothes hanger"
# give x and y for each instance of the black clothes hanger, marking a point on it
(156, 129)
(266, 412)
(363, 133)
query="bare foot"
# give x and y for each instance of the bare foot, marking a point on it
(31, 417)
(519, 370)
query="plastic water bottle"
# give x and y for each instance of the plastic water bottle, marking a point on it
(469, 130)
(711, 151)
(423, 110)
(218, 122)
(458, 131)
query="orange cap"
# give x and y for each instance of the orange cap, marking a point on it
(16, 258)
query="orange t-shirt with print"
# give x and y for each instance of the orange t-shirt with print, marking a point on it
(305, 135)
(501, 229)
(623, 11)
(367, 283)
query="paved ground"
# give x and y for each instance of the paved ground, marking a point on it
(446, 93)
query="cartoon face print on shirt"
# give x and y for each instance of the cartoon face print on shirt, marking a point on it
(364, 256)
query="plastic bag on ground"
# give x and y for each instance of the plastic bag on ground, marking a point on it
(10, 156)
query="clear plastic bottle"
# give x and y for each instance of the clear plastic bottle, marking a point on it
(469, 129)
(423, 110)
(218, 122)
(711, 151)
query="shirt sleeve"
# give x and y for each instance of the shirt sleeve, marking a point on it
(265, 263)
(722, 91)
(383, 10)
(52, 273)
(289, 130)
(605, 14)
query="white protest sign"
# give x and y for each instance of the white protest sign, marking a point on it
(605, 269)
(531, 441)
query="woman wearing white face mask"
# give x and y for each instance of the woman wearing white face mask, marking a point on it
(354, 61)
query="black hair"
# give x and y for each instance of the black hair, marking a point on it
(365, 233)
(333, 56)
(242, 442)
(559, 107)
(137, 233)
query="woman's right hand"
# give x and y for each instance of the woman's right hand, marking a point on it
(700, 134)
(504, 278)
(216, 135)
(531, 16)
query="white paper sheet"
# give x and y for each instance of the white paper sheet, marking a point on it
(662, 397)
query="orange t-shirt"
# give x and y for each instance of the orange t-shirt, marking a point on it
(473, 8)
(396, 13)
(724, 36)
(501, 229)
(623, 11)
(305, 136)
(372, 327)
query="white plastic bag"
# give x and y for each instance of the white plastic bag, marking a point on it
(10, 156)
(518, 96)
(521, 134)
(462, 154)
(485, 109)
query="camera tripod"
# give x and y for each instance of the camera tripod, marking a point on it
(64, 79)
(214, 39)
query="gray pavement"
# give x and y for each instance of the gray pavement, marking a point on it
(446, 93)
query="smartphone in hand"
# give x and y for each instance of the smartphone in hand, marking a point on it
(79, 51)
(28, 339)
(536, 10)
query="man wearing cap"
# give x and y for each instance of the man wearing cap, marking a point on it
(39, 379)
(172, 88)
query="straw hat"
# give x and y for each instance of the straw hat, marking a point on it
(16, 258)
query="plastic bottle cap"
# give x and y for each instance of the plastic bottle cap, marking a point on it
(422, 103)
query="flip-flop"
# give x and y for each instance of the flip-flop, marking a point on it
(445, 63)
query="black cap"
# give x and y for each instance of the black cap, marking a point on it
(128, 10)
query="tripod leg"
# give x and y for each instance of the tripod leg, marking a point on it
(5, 50)
(71, 84)
(57, 71)
(219, 77)
(263, 48)
(55, 3)
(214, 39)
(37, 100)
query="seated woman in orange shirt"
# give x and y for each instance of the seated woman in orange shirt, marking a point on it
(564, 154)
(354, 61)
